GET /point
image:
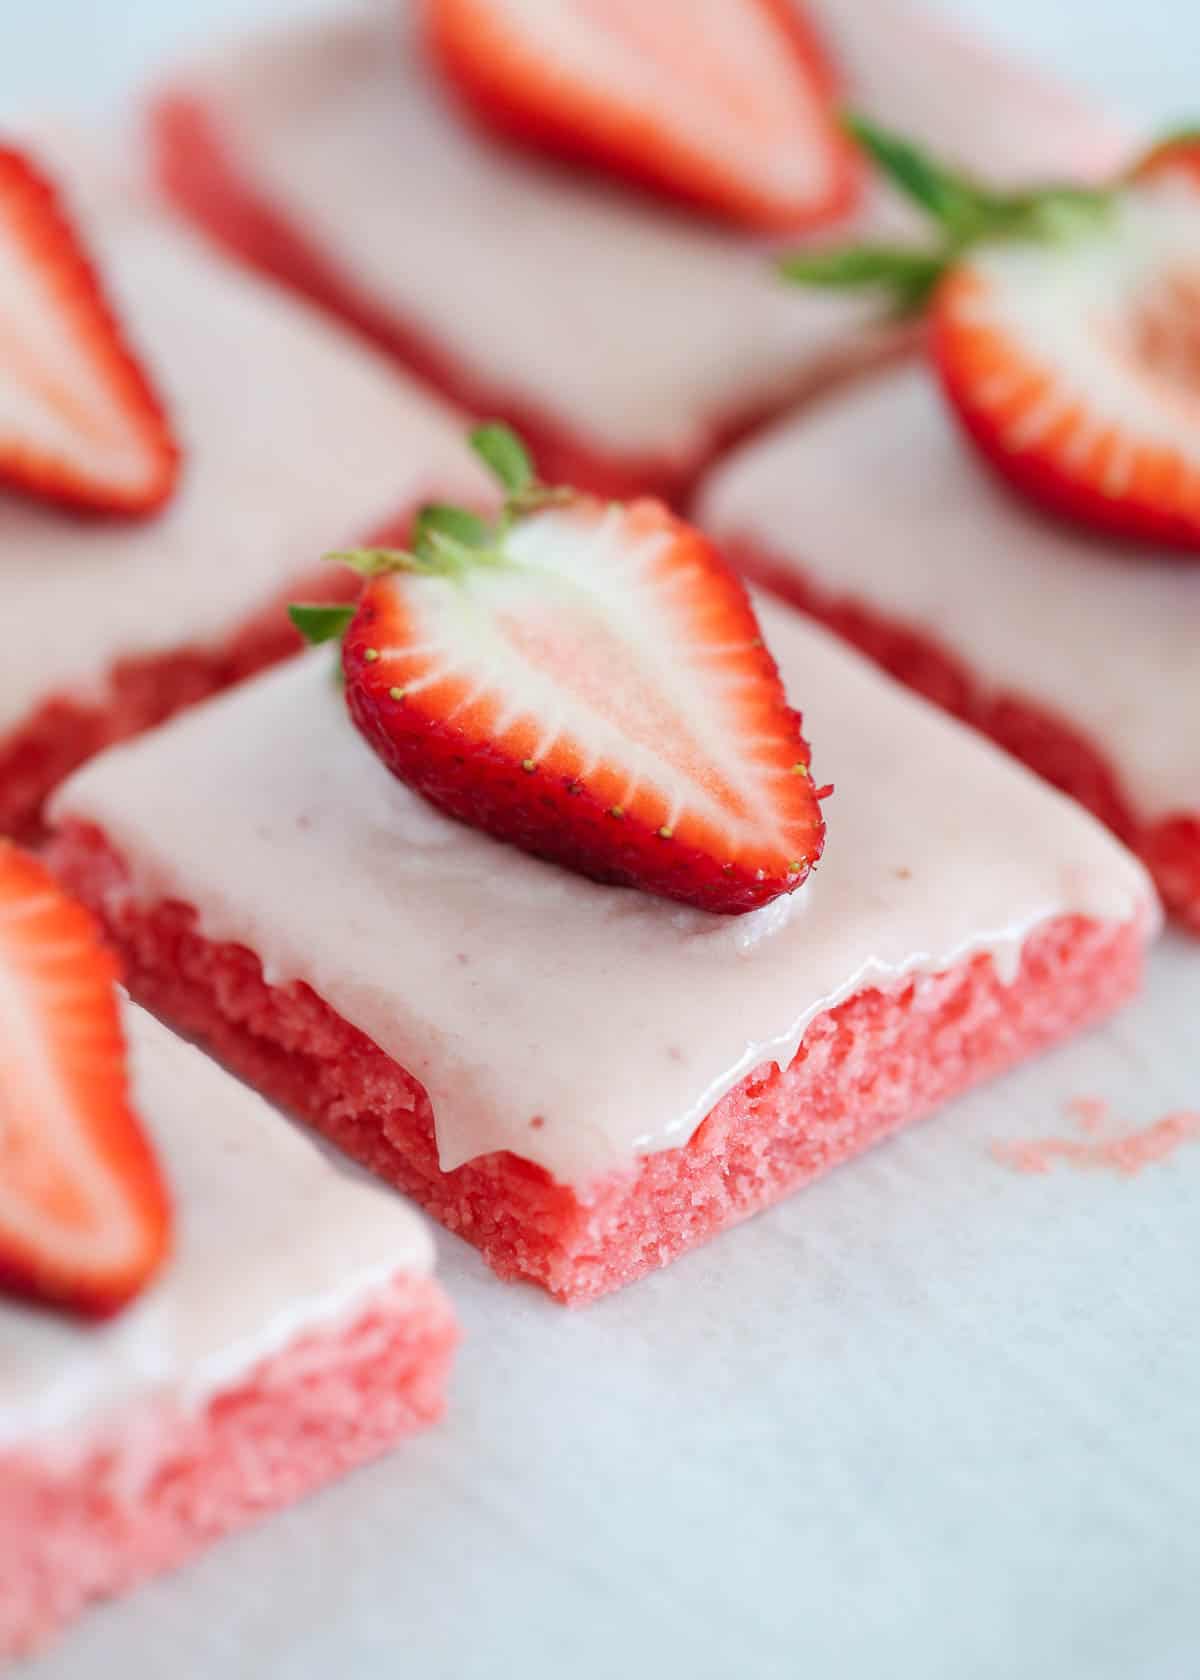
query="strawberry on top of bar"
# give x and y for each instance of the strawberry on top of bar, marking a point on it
(588, 681)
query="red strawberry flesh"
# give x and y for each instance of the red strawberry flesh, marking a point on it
(728, 108)
(601, 697)
(84, 1215)
(80, 423)
(1074, 367)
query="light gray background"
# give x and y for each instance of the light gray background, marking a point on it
(1143, 54)
(930, 1420)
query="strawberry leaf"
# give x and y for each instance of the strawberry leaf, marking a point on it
(320, 623)
(948, 196)
(374, 562)
(449, 541)
(453, 522)
(967, 215)
(909, 274)
(505, 456)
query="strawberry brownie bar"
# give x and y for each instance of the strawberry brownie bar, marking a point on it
(295, 1332)
(872, 512)
(294, 437)
(628, 340)
(583, 1080)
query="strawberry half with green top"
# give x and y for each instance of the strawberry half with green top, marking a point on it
(84, 1216)
(1065, 328)
(586, 680)
(724, 104)
(80, 423)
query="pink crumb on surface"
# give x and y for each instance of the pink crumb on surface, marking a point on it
(1089, 1113)
(1126, 1151)
(156, 1490)
(200, 174)
(1050, 745)
(873, 1064)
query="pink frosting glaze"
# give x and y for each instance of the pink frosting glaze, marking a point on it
(640, 329)
(875, 496)
(296, 439)
(504, 983)
(239, 1286)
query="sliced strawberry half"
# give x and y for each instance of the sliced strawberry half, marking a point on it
(1065, 327)
(84, 1216)
(79, 421)
(588, 681)
(1075, 366)
(726, 105)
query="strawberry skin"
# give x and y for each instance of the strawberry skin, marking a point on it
(1074, 367)
(1178, 155)
(84, 1215)
(734, 116)
(1065, 328)
(601, 697)
(80, 423)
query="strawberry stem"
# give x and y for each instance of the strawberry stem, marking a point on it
(965, 213)
(447, 541)
(376, 562)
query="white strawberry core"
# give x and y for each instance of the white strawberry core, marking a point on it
(57, 404)
(716, 74)
(1114, 319)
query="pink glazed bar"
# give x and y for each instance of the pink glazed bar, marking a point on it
(582, 1080)
(872, 513)
(295, 438)
(628, 341)
(296, 1331)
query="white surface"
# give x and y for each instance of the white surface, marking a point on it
(930, 1420)
(618, 1020)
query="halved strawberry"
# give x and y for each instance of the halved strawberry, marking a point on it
(79, 421)
(1065, 327)
(588, 681)
(84, 1216)
(726, 104)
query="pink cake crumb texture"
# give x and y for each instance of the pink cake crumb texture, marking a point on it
(141, 691)
(197, 171)
(1050, 745)
(88, 1528)
(865, 1068)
